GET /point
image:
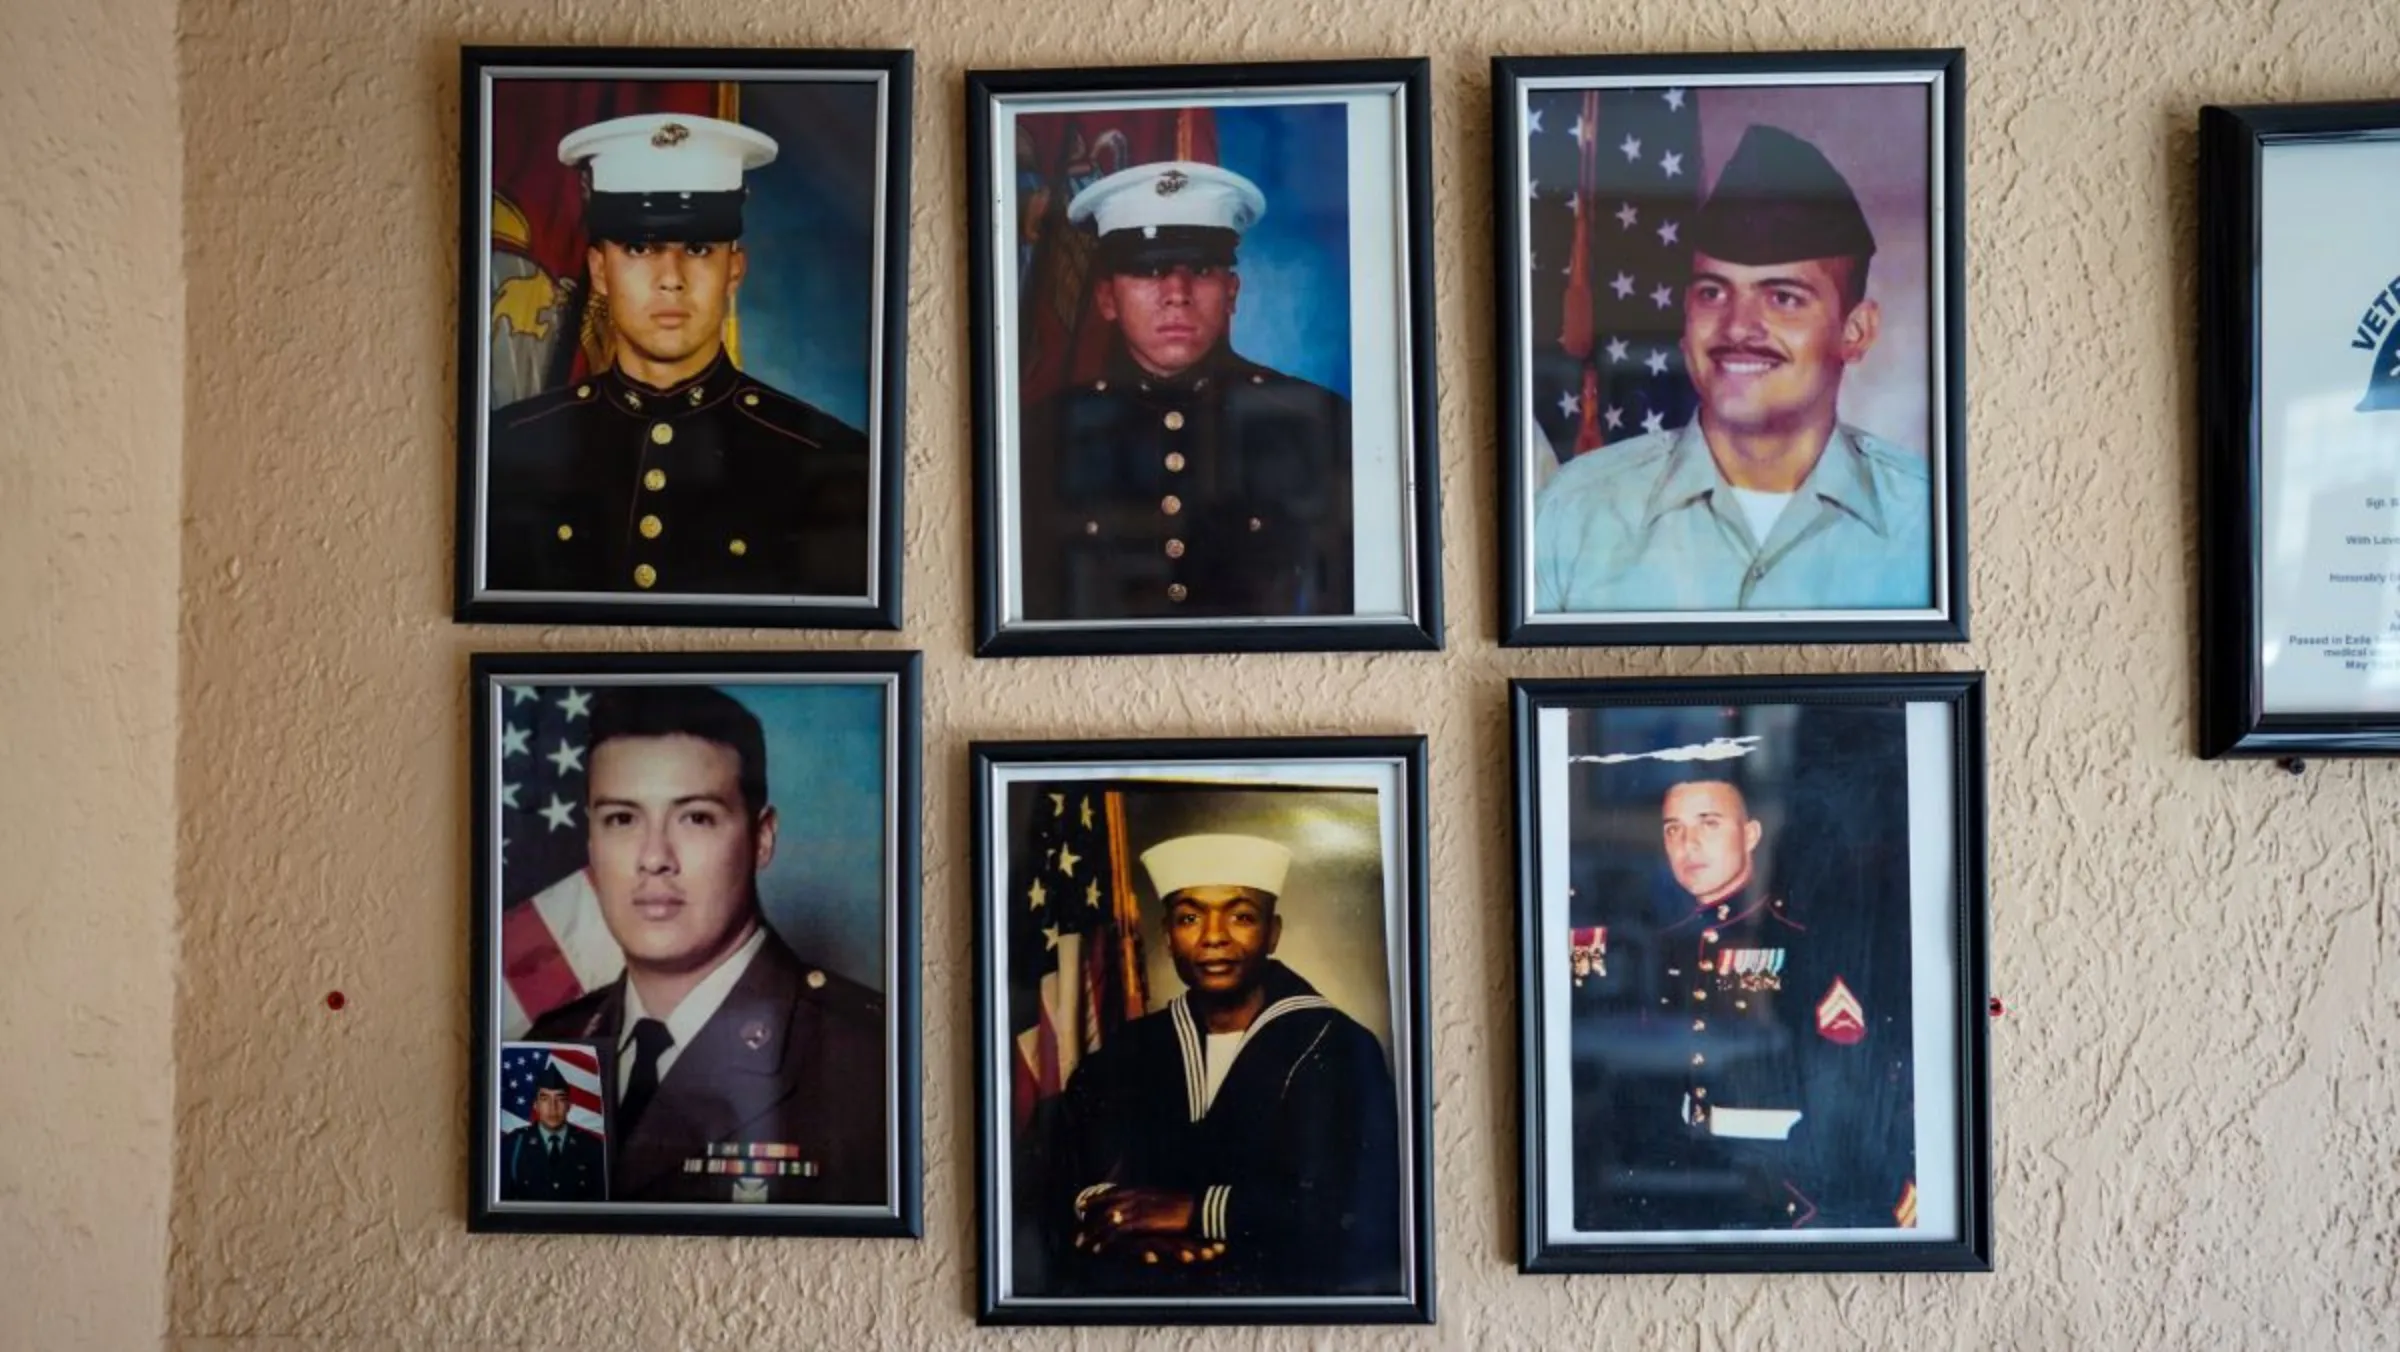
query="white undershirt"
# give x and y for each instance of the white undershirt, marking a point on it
(1761, 508)
(1222, 1048)
(698, 1007)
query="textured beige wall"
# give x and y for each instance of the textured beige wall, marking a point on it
(91, 404)
(2196, 1087)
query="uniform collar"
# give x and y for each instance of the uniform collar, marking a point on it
(1749, 906)
(637, 400)
(1840, 477)
(1124, 371)
(700, 1004)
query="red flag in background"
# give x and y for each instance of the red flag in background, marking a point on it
(1076, 970)
(1575, 323)
(537, 239)
(1059, 155)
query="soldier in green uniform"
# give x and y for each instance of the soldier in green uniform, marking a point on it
(672, 470)
(1186, 480)
(742, 1073)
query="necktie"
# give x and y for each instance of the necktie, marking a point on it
(650, 1041)
(554, 1150)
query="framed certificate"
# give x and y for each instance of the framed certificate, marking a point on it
(2300, 430)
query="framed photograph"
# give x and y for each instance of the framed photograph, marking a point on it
(695, 944)
(1751, 936)
(1732, 295)
(1201, 1067)
(683, 282)
(1204, 372)
(2300, 430)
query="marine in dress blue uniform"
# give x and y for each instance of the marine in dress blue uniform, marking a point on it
(1243, 1141)
(672, 470)
(1186, 480)
(1741, 1062)
(1765, 501)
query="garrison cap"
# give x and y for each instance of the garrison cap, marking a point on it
(1187, 862)
(551, 1079)
(1175, 211)
(1780, 200)
(674, 177)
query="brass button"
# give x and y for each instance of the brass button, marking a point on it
(1698, 1059)
(1091, 528)
(1257, 525)
(1700, 1091)
(1258, 380)
(1170, 504)
(737, 547)
(1176, 591)
(566, 532)
(1699, 1025)
(651, 526)
(750, 400)
(661, 433)
(1174, 421)
(1174, 462)
(1700, 995)
(1708, 936)
(645, 576)
(583, 391)
(1100, 386)
(1174, 549)
(655, 480)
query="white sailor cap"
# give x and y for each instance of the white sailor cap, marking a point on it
(1216, 861)
(1175, 210)
(665, 175)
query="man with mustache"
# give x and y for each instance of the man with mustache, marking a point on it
(1185, 480)
(671, 470)
(1765, 500)
(1245, 1139)
(741, 1072)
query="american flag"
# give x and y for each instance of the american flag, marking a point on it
(1614, 180)
(1075, 947)
(553, 944)
(521, 1067)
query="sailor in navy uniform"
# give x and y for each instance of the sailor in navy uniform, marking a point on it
(1243, 1141)
(1739, 1065)
(1186, 480)
(672, 470)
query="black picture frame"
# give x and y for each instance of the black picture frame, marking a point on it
(878, 607)
(492, 673)
(1181, 764)
(1418, 627)
(1944, 72)
(2234, 142)
(1541, 974)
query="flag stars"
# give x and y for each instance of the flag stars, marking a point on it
(1616, 349)
(568, 757)
(1570, 405)
(1656, 361)
(1533, 122)
(1058, 805)
(1584, 132)
(520, 694)
(1037, 895)
(1615, 417)
(560, 814)
(1674, 98)
(577, 704)
(1627, 216)
(1663, 296)
(508, 794)
(1632, 149)
(1672, 163)
(513, 742)
(1087, 814)
(1654, 421)
(1667, 233)
(1068, 859)
(1533, 189)
(1622, 285)
(1091, 894)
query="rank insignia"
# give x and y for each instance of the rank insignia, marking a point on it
(1587, 952)
(750, 1190)
(1840, 1017)
(754, 1035)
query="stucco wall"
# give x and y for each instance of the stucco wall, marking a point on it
(91, 407)
(2196, 1084)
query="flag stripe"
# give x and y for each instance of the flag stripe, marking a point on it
(537, 972)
